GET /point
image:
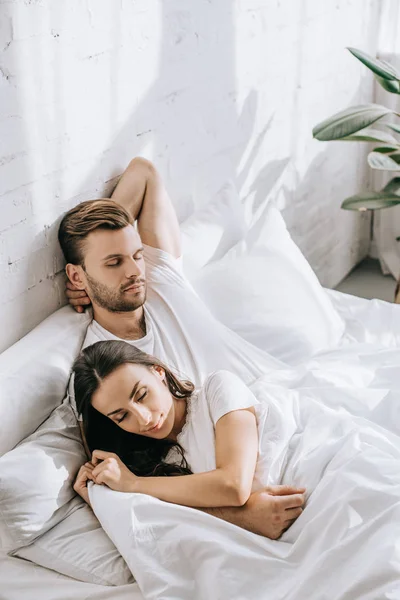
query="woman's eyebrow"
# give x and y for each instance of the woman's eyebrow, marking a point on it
(133, 392)
(114, 412)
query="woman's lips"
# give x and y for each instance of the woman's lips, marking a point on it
(157, 426)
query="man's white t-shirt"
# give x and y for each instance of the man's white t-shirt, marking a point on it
(182, 332)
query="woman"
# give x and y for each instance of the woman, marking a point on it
(141, 422)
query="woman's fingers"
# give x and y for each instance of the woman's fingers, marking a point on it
(99, 455)
(81, 480)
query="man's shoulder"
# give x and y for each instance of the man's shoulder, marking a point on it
(161, 266)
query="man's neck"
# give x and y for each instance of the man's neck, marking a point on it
(125, 325)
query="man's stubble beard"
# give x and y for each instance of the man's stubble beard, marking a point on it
(112, 300)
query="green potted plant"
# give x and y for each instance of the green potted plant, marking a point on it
(365, 123)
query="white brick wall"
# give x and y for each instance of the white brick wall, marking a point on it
(208, 90)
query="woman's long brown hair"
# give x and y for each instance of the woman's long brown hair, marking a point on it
(144, 456)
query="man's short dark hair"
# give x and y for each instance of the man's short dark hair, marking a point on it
(84, 218)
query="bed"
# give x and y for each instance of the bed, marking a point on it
(351, 367)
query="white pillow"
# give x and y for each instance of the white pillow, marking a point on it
(211, 231)
(265, 290)
(36, 479)
(39, 508)
(79, 547)
(34, 374)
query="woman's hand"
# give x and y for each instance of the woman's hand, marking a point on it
(110, 470)
(80, 485)
(77, 298)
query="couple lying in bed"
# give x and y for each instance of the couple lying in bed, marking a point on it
(133, 405)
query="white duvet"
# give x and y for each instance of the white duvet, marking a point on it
(345, 545)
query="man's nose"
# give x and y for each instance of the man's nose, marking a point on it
(133, 269)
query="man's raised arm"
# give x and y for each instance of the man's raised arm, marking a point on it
(141, 191)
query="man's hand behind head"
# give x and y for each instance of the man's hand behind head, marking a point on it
(77, 298)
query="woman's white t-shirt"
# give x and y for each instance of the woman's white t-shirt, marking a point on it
(182, 332)
(222, 393)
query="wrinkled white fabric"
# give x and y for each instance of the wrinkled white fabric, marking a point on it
(343, 546)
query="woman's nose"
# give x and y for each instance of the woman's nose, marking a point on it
(142, 414)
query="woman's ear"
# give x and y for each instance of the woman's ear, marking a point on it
(159, 371)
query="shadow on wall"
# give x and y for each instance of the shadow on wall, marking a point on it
(187, 122)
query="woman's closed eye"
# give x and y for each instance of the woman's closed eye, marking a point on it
(139, 399)
(142, 396)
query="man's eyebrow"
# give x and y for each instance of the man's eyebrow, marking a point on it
(112, 256)
(109, 256)
(133, 392)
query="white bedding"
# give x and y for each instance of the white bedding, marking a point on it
(362, 376)
(350, 526)
(23, 580)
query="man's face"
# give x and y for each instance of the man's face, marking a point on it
(114, 271)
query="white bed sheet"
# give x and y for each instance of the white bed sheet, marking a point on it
(365, 369)
(368, 321)
(23, 580)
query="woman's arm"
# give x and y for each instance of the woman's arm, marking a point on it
(236, 442)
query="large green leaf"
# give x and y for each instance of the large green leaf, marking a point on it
(376, 160)
(392, 86)
(371, 135)
(380, 68)
(393, 186)
(371, 201)
(392, 126)
(349, 121)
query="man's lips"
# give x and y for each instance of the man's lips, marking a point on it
(134, 288)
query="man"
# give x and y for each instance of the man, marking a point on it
(134, 281)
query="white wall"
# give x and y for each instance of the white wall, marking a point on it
(208, 90)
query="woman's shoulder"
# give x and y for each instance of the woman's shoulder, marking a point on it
(221, 381)
(222, 376)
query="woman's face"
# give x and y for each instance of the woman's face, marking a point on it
(138, 400)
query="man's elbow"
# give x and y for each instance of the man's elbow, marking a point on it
(142, 164)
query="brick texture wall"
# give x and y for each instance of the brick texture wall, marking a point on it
(208, 90)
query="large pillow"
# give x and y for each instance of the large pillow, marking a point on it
(265, 290)
(36, 479)
(211, 231)
(79, 547)
(34, 374)
(39, 508)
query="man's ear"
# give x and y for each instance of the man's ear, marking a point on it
(76, 275)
